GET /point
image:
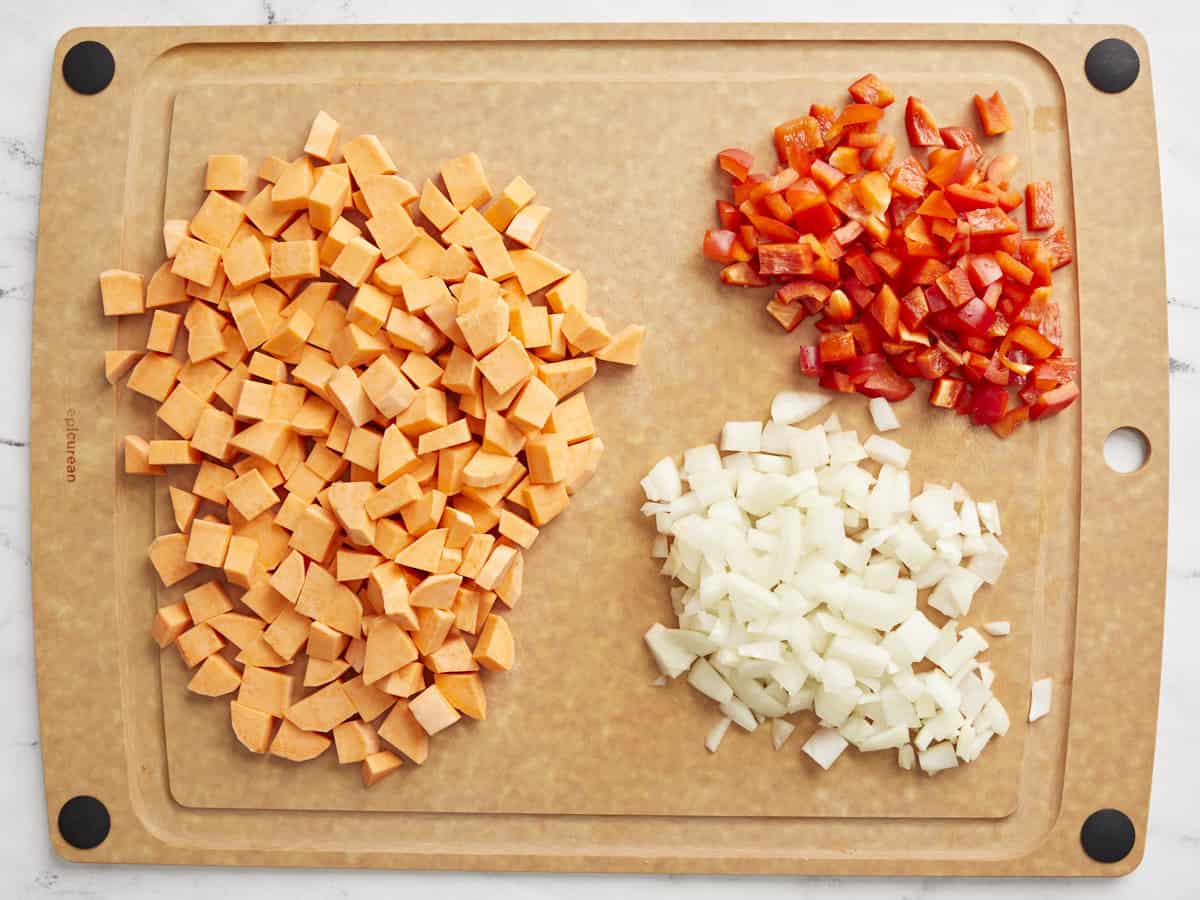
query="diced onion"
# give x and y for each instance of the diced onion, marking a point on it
(1039, 698)
(883, 415)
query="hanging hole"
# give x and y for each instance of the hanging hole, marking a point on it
(1126, 450)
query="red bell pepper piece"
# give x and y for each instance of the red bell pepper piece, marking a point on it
(944, 166)
(976, 344)
(867, 335)
(945, 392)
(810, 360)
(1035, 255)
(859, 293)
(780, 181)
(820, 218)
(861, 367)
(902, 210)
(1009, 422)
(832, 248)
(742, 274)
(825, 116)
(741, 192)
(842, 197)
(880, 157)
(1039, 205)
(839, 308)
(909, 179)
(811, 293)
(870, 89)
(848, 233)
(926, 271)
(904, 365)
(846, 159)
(989, 404)
(785, 259)
(935, 206)
(959, 137)
(918, 121)
(886, 310)
(1059, 248)
(1000, 170)
(862, 267)
(737, 163)
(1054, 401)
(914, 308)
(918, 241)
(1055, 371)
(990, 222)
(773, 230)
(996, 372)
(993, 114)
(826, 175)
(837, 381)
(991, 296)
(933, 363)
(1051, 324)
(955, 286)
(858, 114)
(728, 215)
(1032, 341)
(1013, 268)
(966, 400)
(777, 207)
(873, 192)
(788, 315)
(974, 317)
(983, 270)
(863, 140)
(964, 199)
(802, 134)
(889, 263)
(836, 347)
(723, 247)
(886, 382)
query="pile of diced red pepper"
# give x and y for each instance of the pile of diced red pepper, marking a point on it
(912, 270)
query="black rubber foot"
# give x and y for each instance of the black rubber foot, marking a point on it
(83, 822)
(1107, 836)
(88, 67)
(1112, 65)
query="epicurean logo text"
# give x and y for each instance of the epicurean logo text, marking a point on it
(72, 428)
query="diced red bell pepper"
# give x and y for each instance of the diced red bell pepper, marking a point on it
(991, 296)
(867, 335)
(918, 121)
(837, 381)
(880, 157)
(1059, 248)
(996, 372)
(1039, 205)
(1000, 325)
(989, 404)
(889, 263)
(944, 166)
(788, 315)
(991, 221)
(1033, 341)
(839, 308)
(1051, 324)
(858, 114)
(947, 231)
(1000, 170)
(914, 308)
(1035, 255)
(1055, 371)
(810, 360)
(833, 249)
(1009, 422)
(780, 181)
(886, 310)
(918, 240)
(748, 237)
(818, 219)
(811, 293)
(909, 179)
(983, 270)
(1013, 268)
(785, 259)
(955, 286)
(800, 134)
(846, 160)
(964, 199)
(826, 175)
(974, 317)
(772, 230)
(728, 215)
(1054, 401)
(933, 363)
(737, 163)
(777, 207)
(848, 233)
(993, 114)
(926, 271)
(886, 382)
(976, 344)
(837, 347)
(873, 192)
(742, 274)
(935, 206)
(862, 267)
(863, 140)
(859, 293)
(945, 392)
(842, 198)
(990, 243)
(861, 367)
(966, 399)
(959, 137)
(870, 89)
(902, 210)
(741, 192)
(904, 365)
(723, 247)
(828, 326)
(877, 230)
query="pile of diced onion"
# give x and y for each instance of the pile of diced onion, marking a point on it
(797, 555)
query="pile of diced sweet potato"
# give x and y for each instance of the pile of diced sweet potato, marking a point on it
(373, 395)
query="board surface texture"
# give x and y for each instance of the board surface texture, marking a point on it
(582, 763)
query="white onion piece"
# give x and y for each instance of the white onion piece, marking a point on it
(798, 557)
(883, 415)
(1039, 698)
(997, 629)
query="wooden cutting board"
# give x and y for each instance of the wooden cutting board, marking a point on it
(582, 764)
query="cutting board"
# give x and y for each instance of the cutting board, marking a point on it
(583, 764)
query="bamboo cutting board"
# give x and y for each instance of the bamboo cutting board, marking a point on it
(582, 765)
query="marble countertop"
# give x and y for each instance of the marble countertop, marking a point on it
(28, 867)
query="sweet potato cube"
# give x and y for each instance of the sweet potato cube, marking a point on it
(433, 711)
(117, 363)
(323, 137)
(266, 216)
(324, 642)
(546, 501)
(501, 436)
(240, 560)
(533, 406)
(465, 693)
(516, 195)
(173, 231)
(214, 223)
(169, 623)
(378, 766)
(493, 256)
(318, 672)
(452, 656)
(369, 308)
(475, 554)
(427, 412)
(197, 644)
(535, 271)
(290, 192)
(297, 745)
(322, 710)
(507, 366)
(386, 387)
(465, 181)
(497, 564)
(239, 629)
(572, 420)
(355, 741)
(625, 347)
(214, 431)
(517, 529)
(266, 690)
(422, 370)
(388, 648)
(206, 601)
(356, 261)
(250, 494)
(487, 469)
(366, 156)
(347, 394)
(227, 172)
(353, 565)
(314, 533)
(546, 456)
(530, 325)
(208, 542)
(340, 234)
(495, 650)
(436, 591)
(386, 196)
(137, 457)
(568, 375)
(362, 448)
(402, 730)
(211, 480)
(387, 592)
(252, 727)
(294, 259)
(261, 654)
(528, 226)
(245, 264)
(584, 331)
(436, 208)
(215, 678)
(326, 202)
(122, 293)
(447, 436)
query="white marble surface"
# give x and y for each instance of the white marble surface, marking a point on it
(28, 868)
